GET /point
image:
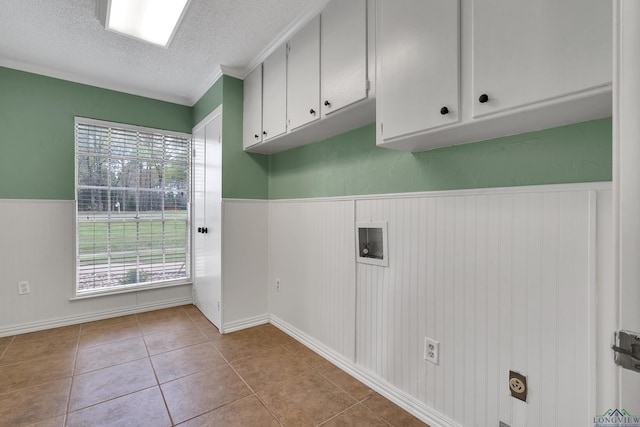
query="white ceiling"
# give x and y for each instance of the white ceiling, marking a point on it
(64, 39)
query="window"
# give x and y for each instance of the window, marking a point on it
(133, 200)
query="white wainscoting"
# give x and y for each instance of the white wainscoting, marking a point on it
(37, 244)
(245, 263)
(312, 254)
(503, 279)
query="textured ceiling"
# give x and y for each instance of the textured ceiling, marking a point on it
(64, 39)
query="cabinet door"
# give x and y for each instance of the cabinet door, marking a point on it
(529, 51)
(344, 54)
(303, 75)
(418, 65)
(252, 108)
(274, 94)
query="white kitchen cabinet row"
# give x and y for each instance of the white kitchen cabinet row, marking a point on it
(452, 72)
(314, 86)
(446, 72)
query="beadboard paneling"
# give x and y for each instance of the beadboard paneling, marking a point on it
(312, 253)
(503, 281)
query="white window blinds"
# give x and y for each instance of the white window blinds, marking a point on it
(133, 194)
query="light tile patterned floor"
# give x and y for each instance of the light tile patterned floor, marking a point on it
(172, 367)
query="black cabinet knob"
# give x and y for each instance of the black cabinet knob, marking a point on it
(327, 104)
(444, 111)
(264, 132)
(257, 136)
(205, 230)
(199, 229)
(312, 112)
(483, 98)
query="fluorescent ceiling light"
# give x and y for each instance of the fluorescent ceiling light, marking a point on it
(154, 21)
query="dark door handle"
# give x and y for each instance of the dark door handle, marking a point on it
(199, 229)
(205, 230)
(257, 136)
(327, 104)
(444, 111)
(312, 112)
(483, 98)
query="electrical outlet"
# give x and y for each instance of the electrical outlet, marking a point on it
(278, 285)
(23, 288)
(431, 350)
(518, 385)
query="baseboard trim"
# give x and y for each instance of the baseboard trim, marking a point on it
(245, 323)
(397, 396)
(83, 318)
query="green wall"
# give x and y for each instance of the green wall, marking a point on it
(351, 164)
(37, 129)
(37, 148)
(244, 175)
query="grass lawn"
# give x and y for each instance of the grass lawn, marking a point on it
(122, 239)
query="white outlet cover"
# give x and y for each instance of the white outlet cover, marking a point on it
(23, 288)
(431, 350)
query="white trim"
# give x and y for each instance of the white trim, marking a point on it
(95, 82)
(209, 117)
(211, 80)
(83, 318)
(245, 323)
(127, 126)
(125, 289)
(549, 188)
(231, 200)
(397, 396)
(298, 22)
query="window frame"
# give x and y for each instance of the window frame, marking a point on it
(125, 288)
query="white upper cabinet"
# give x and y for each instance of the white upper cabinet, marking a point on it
(344, 54)
(499, 67)
(252, 113)
(526, 51)
(274, 94)
(418, 73)
(303, 75)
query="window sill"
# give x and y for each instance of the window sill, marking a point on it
(126, 290)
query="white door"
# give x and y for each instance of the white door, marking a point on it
(418, 78)
(252, 108)
(626, 178)
(274, 94)
(207, 222)
(532, 51)
(343, 54)
(303, 75)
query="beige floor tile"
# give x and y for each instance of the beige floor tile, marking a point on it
(199, 393)
(174, 339)
(65, 333)
(186, 361)
(142, 409)
(346, 382)
(392, 413)
(166, 325)
(245, 412)
(269, 367)
(34, 404)
(108, 334)
(108, 383)
(305, 400)
(39, 348)
(4, 341)
(26, 374)
(110, 354)
(308, 356)
(52, 422)
(250, 341)
(106, 323)
(356, 416)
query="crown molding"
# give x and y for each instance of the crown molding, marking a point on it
(95, 82)
(300, 21)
